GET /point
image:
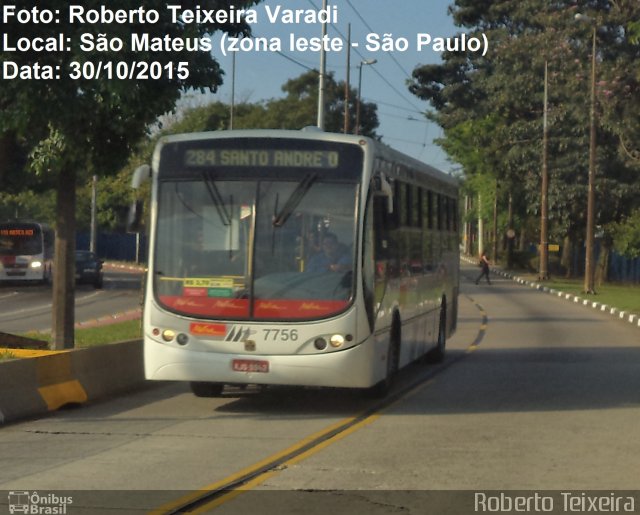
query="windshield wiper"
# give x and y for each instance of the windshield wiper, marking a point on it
(218, 202)
(295, 198)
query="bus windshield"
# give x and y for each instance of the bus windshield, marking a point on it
(254, 245)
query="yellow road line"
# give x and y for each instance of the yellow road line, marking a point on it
(297, 458)
(252, 468)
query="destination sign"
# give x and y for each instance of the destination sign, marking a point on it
(17, 232)
(280, 158)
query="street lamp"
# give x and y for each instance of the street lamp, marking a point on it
(362, 63)
(589, 265)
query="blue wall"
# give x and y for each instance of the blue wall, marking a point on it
(117, 247)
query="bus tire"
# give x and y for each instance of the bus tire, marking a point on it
(382, 388)
(204, 389)
(436, 355)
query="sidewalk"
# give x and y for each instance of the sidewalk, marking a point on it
(631, 318)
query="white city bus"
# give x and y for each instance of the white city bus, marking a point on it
(26, 251)
(295, 258)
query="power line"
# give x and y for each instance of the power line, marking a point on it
(384, 79)
(402, 117)
(357, 51)
(371, 30)
(380, 102)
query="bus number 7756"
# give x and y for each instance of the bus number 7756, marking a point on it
(284, 335)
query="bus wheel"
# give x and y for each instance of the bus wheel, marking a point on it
(202, 389)
(437, 355)
(382, 389)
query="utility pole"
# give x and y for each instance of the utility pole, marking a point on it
(362, 63)
(543, 273)
(323, 71)
(233, 90)
(346, 82)
(589, 265)
(480, 227)
(93, 247)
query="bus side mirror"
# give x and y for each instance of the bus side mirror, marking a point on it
(383, 188)
(140, 175)
(134, 217)
(136, 210)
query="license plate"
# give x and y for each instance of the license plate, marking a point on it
(250, 365)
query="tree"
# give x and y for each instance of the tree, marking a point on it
(78, 126)
(507, 85)
(297, 109)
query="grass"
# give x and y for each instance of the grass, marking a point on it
(91, 336)
(118, 332)
(624, 297)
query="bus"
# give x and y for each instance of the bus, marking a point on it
(295, 258)
(26, 251)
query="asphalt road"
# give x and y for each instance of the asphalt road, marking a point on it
(537, 394)
(28, 307)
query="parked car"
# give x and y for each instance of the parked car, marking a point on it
(88, 268)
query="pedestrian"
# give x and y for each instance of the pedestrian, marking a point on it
(484, 265)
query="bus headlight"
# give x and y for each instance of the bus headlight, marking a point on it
(337, 340)
(36, 264)
(168, 335)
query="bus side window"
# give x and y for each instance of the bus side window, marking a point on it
(386, 239)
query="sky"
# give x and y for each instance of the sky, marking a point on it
(260, 74)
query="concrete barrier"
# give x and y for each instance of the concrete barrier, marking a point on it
(36, 385)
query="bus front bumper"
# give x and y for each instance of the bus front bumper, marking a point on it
(355, 367)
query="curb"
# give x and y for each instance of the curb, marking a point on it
(633, 319)
(132, 314)
(122, 267)
(47, 381)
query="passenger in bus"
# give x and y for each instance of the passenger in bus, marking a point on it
(333, 257)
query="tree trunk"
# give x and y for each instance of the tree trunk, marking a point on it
(510, 236)
(64, 270)
(567, 256)
(522, 243)
(468, 236)
(602, 267)
(494, 229)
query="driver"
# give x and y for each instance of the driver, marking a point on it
(333, 256)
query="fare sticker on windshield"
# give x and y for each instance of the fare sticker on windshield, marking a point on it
(209, 282)
(262, 158)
